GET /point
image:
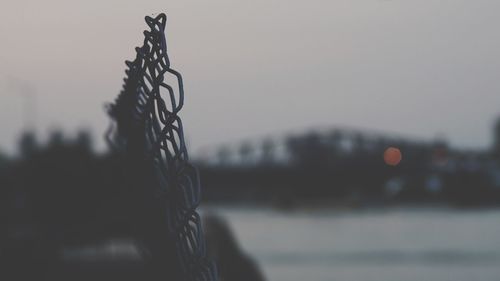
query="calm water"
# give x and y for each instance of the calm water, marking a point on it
(385, 245)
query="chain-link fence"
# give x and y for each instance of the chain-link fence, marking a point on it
(147, 129)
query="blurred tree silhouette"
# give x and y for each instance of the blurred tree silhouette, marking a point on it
(496, 139)
(3, 159)
(268, 151)
(245, 152)
(27, 144)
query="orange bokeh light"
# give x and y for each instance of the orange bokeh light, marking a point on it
(392, 156)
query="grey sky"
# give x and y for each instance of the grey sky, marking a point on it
(263, 67)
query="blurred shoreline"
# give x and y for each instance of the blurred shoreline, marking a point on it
(335, 208)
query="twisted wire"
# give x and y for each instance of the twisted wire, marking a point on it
(149, 105)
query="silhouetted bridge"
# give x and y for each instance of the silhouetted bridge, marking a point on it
(279, 150)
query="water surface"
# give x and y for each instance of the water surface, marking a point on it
(371, 245)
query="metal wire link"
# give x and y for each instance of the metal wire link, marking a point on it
(141, 107)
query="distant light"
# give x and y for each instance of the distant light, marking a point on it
(392, 156)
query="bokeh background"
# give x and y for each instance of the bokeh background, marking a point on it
(336, 140)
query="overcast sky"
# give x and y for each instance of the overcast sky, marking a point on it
(262, 67)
